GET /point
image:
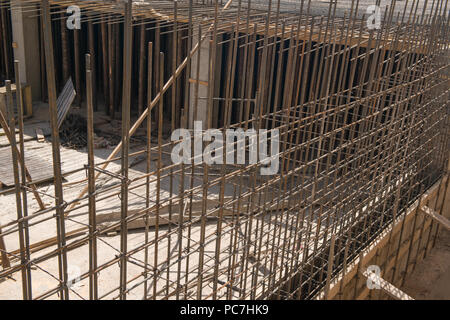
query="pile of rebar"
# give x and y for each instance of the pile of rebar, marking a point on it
(362, 115)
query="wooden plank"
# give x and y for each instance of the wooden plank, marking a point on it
(40, 135)
(436, 216)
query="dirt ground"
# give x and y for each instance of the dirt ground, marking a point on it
(431, 278)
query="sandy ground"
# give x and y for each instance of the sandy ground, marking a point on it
(431, 278)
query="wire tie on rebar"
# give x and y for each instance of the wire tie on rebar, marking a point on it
(62, 206)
